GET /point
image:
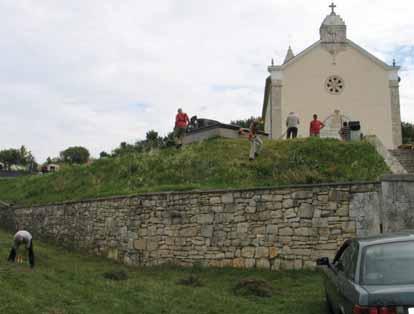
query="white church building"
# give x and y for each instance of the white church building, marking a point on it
(337, 80)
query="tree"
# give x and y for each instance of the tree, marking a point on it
(407, 130)
(9, 157)
(75, 155)
(104, 154)
(125, 148)
(246, 123)
(152, 141)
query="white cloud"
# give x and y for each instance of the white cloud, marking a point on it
(95, 73)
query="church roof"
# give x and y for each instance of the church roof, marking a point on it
(333, 20)
(348, 42)
(289, 55)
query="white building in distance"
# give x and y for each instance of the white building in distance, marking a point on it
(337, 80)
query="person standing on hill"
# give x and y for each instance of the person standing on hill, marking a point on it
(345, 132)
(292, 122)
(255, 141)
(25, 238)
(316, 126)
(181, 122)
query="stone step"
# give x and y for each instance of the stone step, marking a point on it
(405, 157)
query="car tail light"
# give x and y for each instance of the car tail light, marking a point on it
(374, 310)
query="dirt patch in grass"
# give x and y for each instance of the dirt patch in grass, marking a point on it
(253, 287)
(192, 281)
(116, 275)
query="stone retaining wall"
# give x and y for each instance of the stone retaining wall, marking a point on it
(265, 228)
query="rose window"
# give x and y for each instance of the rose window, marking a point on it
(334, 85)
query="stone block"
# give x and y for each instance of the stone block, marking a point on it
(277, 198)
(290, 213)
(287, 264)
(215, 200)
(267, 197)
(248, 252)
(273, 252)
(288, 203)
(249, 262)
(207, 231)
(152, 245)
(306, 210)
(276, 214)
(239, 263)
(309, 265)
(205, 218)
(349, 227)
(271, 229)
(327, 246)
(298, 264)
(275, 264)
(343, 211)
(277, 205)
(140, 244)
(302, 232)
(262, 252)
(189, 231)
(262, 263)
(302, 195)
(286, 231)
(335, 195)
(227, 198)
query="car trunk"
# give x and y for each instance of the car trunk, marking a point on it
(399, 295)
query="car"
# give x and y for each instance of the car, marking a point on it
(372, 275)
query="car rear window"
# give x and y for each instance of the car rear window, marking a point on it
(388, 264)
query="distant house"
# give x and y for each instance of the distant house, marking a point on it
(17, 168)
(50, 168)
(2, 166)
(202, 129)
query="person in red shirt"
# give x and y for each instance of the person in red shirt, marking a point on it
(315, 126)
(181, 122)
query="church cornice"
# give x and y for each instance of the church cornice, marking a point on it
(348, 42)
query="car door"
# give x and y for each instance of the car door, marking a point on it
(345, 265)
(333, 280)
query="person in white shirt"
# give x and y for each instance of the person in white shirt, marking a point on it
(292, 123)
(22, 237)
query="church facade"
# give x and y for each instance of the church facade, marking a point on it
(337, 80)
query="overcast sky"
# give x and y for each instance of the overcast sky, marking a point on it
(99, 72)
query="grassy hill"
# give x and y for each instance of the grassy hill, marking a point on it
(217, 163)
(64, 283)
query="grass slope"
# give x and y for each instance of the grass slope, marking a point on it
(217, 163)
(64, 283)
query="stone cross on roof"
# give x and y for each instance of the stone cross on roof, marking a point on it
(333, 6)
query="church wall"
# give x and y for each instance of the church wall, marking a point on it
(268, 120)
(366, 95)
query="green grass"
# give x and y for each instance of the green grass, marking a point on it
(64, 282)
(217, 163)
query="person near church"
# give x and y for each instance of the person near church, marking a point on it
(292, 123)
(181, 123)
(256, 142)
(345, 132)
(315, 126)
(22, 237)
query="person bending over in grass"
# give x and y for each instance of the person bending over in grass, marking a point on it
(22, 237)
